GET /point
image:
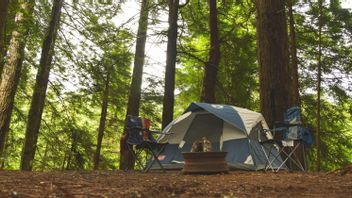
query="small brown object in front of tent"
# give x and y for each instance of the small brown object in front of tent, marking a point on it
(197, 146)
(206, 145)
(203, 145)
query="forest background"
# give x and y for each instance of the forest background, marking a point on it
(92, 65)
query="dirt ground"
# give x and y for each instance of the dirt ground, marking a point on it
(174, 184)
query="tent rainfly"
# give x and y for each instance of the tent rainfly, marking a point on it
(231, 129)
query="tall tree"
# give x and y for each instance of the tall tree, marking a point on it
(272, 58)
(236, 77)
(319, 62)
(39, 93)
(211, 67)
(168, 101)
(104, 109)
(293, 73)
(126, 159)
(335, 39)
(4, 4)
(294, 91)
(11, 73)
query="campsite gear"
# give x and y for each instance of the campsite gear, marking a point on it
(205, 162)
(228, 128)
(203, 145)
(293, 136)
(140, 138)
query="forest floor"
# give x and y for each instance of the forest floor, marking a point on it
(173, 184)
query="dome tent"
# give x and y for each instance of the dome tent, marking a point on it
(231, 129)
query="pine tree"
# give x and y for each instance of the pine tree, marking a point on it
(294, 91)
(273, 59)
(104, 109)
(211, 67)
(11, 73)
(39, 94)
(168, 101)
(126, 159)
(319, 61)
(4, 4)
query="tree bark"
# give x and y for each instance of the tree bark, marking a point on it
(104, 109)
(39, 93)
(211, 67)
(168, 101)
(12, 8)
(294, 91)
(320, 2)
(273, 59)
(11, 73)
(72, 149)
(126, 160)
(294, 96)
(4, 4)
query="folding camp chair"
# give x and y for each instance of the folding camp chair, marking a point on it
(292, 136)
(270, 149)
(140, 139)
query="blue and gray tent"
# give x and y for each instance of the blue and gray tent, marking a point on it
(232, 129)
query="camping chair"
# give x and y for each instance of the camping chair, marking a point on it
(140, 139)
(270, 149)
(292, 136)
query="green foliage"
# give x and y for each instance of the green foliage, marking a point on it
(90, 45)
(237, 78)
(336, 68)
(336, 132)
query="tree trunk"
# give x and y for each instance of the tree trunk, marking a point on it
(73, 149)
(63, 162)
(294, 99)
(294, 92)
(39, 93)
(4, 4)
(272, 59)
(12, 70)
(319, 82)
(43, 162)
(126, 160)
(168, 101)
(104, 108)
(211, 67)
(9, 27)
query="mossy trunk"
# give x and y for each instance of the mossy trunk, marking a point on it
(11, 73)
(4, 4)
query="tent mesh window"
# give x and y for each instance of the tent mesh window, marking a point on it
(204, 125)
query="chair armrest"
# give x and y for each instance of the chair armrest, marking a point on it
(273, 131)
(142, 129)
(279, 122)
(286, 124)
(170, 133)
(161, 133)
(135, 127)
(279, 129)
